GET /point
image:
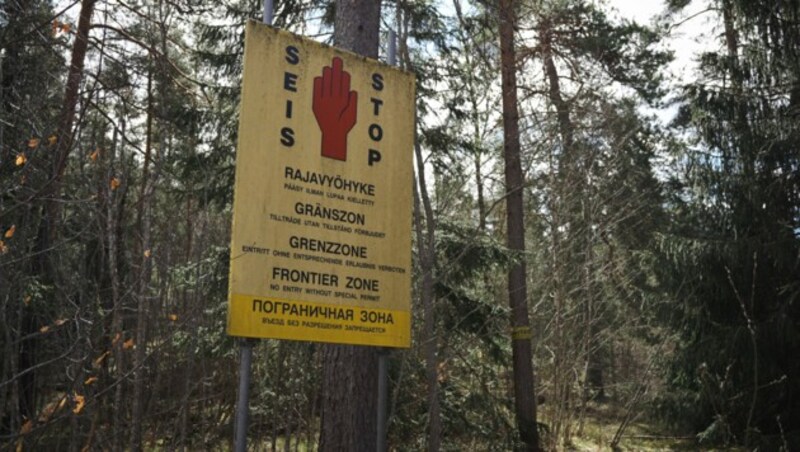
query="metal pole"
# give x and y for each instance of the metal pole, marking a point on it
(242, 402)
(268, 12)
(383, 358)
(246, 350)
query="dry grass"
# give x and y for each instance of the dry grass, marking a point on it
(601, 425)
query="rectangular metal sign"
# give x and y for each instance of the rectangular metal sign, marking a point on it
(321, 240)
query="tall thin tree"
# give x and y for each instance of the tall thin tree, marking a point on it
(524, 400)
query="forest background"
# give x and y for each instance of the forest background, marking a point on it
(662, 256)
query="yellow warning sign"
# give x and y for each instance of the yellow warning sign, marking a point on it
(321, 241)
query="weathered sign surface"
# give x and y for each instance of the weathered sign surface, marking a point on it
(321, 242)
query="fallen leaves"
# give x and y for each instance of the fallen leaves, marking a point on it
(50, 409)
(80, 402)
(3, 247)
(128, 344)
(27, 427)
(93, 156)
(101, 358)
(46, 414)
(90, 380)
(10, 232)
(33, 143)
(115, 183)
(21, 159)
(173, 317)
(47, 328)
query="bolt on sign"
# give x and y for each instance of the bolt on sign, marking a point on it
(321, 242)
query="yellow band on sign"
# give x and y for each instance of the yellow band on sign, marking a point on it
(321, 236)
(320, 322)
(521, 333)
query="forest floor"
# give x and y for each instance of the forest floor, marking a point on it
(601, 426)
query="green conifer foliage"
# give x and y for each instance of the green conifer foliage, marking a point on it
(733, 251)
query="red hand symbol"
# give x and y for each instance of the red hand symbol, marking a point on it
(334, 107)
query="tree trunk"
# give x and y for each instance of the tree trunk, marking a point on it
(524, 396)
(143, 282)
(117, 326)
(426, 240)
(67, 119)
(349, 392)
(350, 373)
(567, 193)
(425, 243)
(50, 211)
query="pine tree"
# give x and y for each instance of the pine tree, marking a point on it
(733, 246)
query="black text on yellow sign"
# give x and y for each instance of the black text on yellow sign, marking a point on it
(322, 203)
(320, 322)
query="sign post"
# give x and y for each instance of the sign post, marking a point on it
(321, 237)
(243, 398)
(246, 347)
(383, 358)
